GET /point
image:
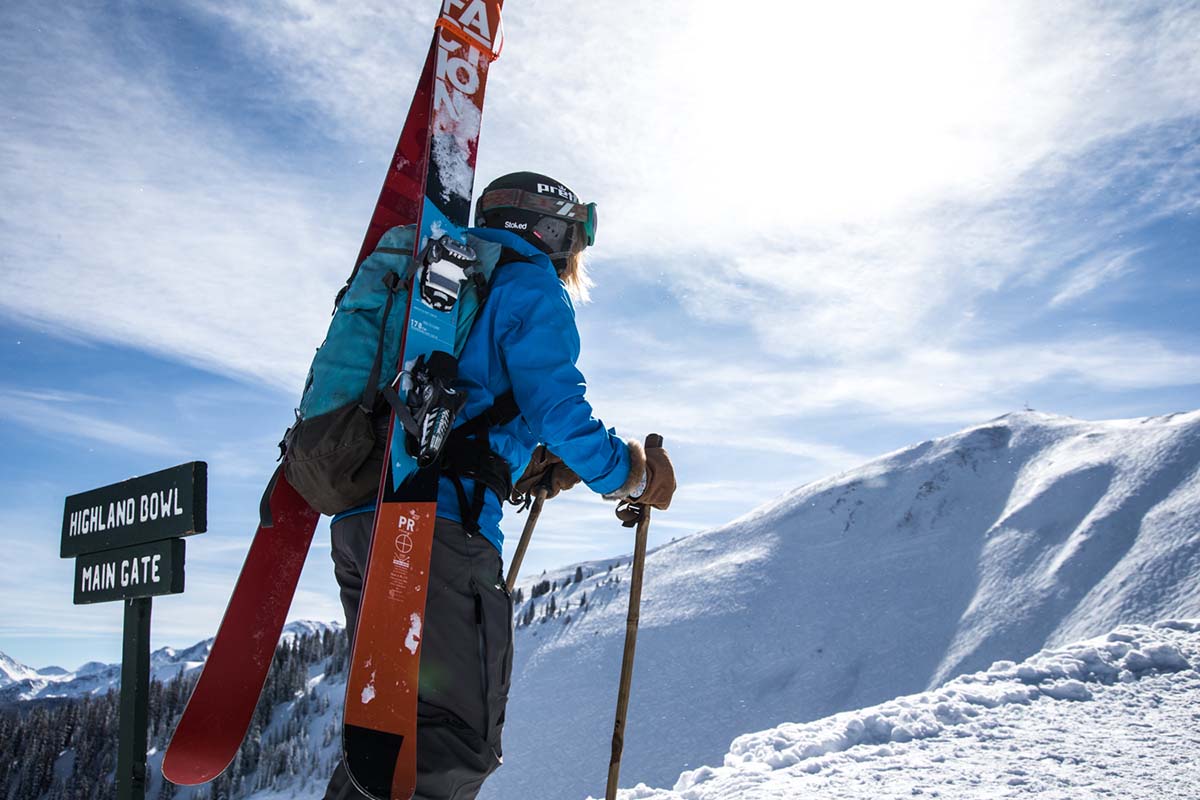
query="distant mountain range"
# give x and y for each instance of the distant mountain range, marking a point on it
(19, 682)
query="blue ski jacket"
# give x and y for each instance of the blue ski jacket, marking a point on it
(525, 339)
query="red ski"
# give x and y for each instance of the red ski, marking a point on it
(218, 714)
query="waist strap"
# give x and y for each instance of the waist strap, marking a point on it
(468, 454)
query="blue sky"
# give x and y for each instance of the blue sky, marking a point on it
(822, 238)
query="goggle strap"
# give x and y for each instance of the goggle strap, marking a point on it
(582, 213)
(528, 201)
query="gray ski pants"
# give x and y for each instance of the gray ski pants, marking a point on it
(466, 657)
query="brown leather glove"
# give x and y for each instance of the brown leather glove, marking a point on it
(660, 479)
(652, 462)
(545, 469)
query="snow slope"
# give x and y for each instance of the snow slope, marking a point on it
(1114, 716)
(1028, 531)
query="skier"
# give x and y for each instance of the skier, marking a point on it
(525, 413)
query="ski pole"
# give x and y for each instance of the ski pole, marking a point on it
(631, 627)
(536, 511)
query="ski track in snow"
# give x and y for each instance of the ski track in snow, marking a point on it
(1117, 716)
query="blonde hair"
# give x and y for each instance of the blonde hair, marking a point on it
(573, 273)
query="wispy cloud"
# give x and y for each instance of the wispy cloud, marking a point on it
(133, 216)
(1091, 275)
(754, 400)
(55, 413)
(37, 597)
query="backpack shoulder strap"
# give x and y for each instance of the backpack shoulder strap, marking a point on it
(469, 454)
(508, 256)
(503, 411)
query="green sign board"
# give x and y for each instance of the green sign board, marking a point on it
(162, 505)
(125, 540)
(144, 570)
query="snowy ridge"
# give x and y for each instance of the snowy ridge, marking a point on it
(306, 627)
(1132, 671)
(19, 682)
(1026, 532)
(12, 671)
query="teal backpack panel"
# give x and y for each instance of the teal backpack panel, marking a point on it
(333, 454)
(342, 365)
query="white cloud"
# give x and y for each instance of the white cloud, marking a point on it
(356, 63)
(37, 598)
(53, 413)
(758, 401)
(1091, 275)
(131, 216)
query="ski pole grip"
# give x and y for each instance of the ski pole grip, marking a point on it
(652, 440)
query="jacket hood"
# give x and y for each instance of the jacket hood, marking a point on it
(514, 242)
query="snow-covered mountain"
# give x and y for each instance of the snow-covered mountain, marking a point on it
(1114, 716)
(12, 671)
(1025, 532)
(19, 682)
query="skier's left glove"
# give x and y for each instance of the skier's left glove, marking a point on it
(545, 469)
(651, 482)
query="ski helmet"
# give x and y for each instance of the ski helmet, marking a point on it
(539, 209)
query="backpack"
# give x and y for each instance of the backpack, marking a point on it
(334, 452)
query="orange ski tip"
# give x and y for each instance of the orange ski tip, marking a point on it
(489, 49)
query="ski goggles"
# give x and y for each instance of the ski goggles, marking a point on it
(583, 213)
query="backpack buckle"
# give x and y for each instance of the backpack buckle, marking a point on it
(446, 263)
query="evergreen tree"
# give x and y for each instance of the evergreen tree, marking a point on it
(40, 738)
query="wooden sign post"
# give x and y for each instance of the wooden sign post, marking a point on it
(126, 540)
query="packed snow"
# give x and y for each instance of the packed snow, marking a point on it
(1113, 716)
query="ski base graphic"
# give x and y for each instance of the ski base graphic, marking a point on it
(381, 690)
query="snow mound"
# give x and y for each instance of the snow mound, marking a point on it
(1127, 676)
